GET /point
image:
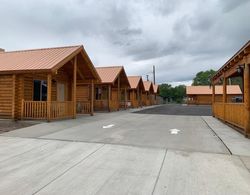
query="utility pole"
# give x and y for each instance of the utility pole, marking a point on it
(154, 73)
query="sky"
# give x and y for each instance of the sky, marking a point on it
(179, 37)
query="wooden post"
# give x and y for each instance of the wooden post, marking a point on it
(74, 87)
(213, 98)
(92, 98)
(247, 98)
(224, 97)
(13, 96)
(125, 98)
(109, 97)
(49, 78)
(118, 93)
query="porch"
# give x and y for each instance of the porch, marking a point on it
(234, 110)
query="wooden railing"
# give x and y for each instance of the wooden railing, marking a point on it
(39, 109)
(34, 110)
(218, 110)
(233, 113)
(83, 107)
(62, 109)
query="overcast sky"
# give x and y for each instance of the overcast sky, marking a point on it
(179, 37)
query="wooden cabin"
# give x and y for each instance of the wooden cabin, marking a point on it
(237, 113)
(112, 93)
(135, 91)
(156, 94)
(147, 96)
(41, 83)
(202, 95)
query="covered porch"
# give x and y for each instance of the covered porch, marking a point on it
(112, 93)
(234, 110)
(56, 93)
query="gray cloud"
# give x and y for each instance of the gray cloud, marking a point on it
(179, 37)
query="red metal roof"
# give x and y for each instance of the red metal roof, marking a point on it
(148, 85)
(36, 59)
(134, 81)
(207, 90)
(109, 74)
(156, 88)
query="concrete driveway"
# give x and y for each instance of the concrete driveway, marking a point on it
(126, 153)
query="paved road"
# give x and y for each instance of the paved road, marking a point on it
(177, 109)
(125, 153)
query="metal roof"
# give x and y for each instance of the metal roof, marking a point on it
(207, 90)
(36, 59)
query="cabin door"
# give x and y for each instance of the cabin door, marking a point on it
(60, 92)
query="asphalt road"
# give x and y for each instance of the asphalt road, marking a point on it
(178, 109)
(126, 153)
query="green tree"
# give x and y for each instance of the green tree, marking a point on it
(175, 94)
(203, 77)
(165, 91)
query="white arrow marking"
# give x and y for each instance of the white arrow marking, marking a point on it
(108, 126)
(174, 131)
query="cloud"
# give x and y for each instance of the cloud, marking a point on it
(179, 37)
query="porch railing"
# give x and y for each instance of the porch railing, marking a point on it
(83, 107)
(62, 109)
(34, 110)
(233, 113)
(39, 109)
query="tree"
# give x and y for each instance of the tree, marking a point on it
(179, 93)
(169, 93)
(203, 77)
(165, 91)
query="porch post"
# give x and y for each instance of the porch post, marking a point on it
(74, 87)
(125, 98)
(13, 96)
(213, 97)
(49, 77)
(92, 98)
(109, 97)
(224, 97)
(118, 94)
(247, 98)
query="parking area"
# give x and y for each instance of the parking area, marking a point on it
(127, 152)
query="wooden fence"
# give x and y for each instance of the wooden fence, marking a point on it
(39, 109)
(233, 113)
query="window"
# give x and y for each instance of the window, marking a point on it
(39, 90)
(101, 93)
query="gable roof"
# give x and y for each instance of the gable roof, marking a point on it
(156, 88)
(109, 74)
(148, 85)
(36, 59)
(207, 90)
(43, 60)
(134, 81)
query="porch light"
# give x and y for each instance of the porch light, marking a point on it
(240, 68)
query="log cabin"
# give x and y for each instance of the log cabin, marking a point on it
(237, 114)
(111, 93)
(202, 95)
(135, 91)
(147, 96)
(156, 94)
(41, 83)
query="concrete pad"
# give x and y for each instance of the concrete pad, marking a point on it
(236, 142)
(31, 171)
(112, 170)
(187, 173)
(246, 161)
(46, 128)
(10, 147)
(147, 130)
